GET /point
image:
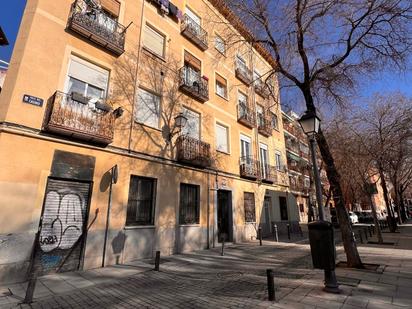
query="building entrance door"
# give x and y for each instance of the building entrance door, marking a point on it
(266, 216)
(224, 215)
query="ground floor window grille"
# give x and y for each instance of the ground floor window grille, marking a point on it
(189, 212)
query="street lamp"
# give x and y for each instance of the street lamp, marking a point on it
(180, 123)
(320, 230)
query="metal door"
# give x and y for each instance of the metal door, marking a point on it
(63, 226)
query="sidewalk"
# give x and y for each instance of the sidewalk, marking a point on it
(205, 279)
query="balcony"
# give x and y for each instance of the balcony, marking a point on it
(264, 125)
(299, 187)
(192, 151)
(269, 174)
(194, 32)
(243, 74)
(245, 115)
(97, 26)
(71, 115)
(249, 168)
(193, 84)
(290, 145)
(261, 89)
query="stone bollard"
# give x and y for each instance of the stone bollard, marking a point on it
(271, 284)
(260, 235)
(222, 253)
(276, 232)
(157, 261)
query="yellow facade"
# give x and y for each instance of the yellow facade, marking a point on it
(40, 65)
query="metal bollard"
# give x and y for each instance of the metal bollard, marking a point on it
(157, 261)
(276, 233)
(360, 236)
(271, 284)
(260, 235)
(288, 227)
(223, 246)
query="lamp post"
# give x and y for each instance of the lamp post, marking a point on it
(310, 123)
(180, 123)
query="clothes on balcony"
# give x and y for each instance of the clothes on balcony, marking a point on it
(164, 6)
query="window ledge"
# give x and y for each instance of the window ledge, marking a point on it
(153, 54)
(139, 227)
(222, 97)
(147, 126)
(190, 225)
(223, 152)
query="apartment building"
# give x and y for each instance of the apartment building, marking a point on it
(299, 168)
(129, 127)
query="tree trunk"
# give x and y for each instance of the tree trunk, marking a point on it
(403, 208)
(375, 220)
(391, 221)
(351, 250)
(397, 201)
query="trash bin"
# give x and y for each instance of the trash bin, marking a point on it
(322, 245)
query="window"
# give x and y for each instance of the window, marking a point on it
(154, 41)
(264, 159)
(148, 108)
(242, 100)
(86, 79)
(192, 127)
(304, 148)
(220, 44)
(221, 86)
(274, 121)
(260, 115)
(306, 182)
(257, 77)
(192, 69)
(278, 160)
(283, 208)
(241, 63)
(249, 204)
(189, 211)
(222, 138)
(141, 203)
(194, 21)
(245, 150)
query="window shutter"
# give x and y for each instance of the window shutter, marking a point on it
(154, 41)
(222, 138)
(148, 108)
(111, 6)
(88, 72)
(221, 80)
(193, 61)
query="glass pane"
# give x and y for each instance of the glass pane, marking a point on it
(148, 108)
(94, 92)
(76, 85)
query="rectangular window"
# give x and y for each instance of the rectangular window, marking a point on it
(86, 79)
(243, 104)
(245, 150)
(278, 160)
(148, 108)
(222, 138)
(264, 159)
(260, 115)
(241, 63)
(192, 127)
(192, 71)
(189, 211)
(249, 204)
(141, 203)
(221, 86)
(283, 208)
(220, 44)
(306, 182)
(275, 122)
(154, 41)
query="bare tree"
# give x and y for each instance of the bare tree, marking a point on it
(322, 47)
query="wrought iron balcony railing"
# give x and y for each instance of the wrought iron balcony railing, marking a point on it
(243, 73)
(269, 173)
(299, 187)
(72, 116)
(192, 151)
(193, 84)
(194, 32)
(292, 146)
(264, 125)
(249, 168)
(245, 115)
(261, 89)
(97, 26)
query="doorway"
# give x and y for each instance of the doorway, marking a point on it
(224, 216)
(265, 220)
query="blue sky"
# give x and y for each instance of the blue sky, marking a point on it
(386, 81)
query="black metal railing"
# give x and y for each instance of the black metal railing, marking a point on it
(96, 25)
(249, 168)
(264, 125)
(246, 115)
(261, 88)
(194, 32)
(193, 84)
(243, 73)
(193, 151)
(72, 115)
(269, 173)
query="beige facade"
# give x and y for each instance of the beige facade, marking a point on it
(113, 77)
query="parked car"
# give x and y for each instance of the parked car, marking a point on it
(353, 217)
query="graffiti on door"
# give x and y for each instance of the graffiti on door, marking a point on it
(62, 222)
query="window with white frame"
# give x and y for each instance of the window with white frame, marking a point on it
(278, 160)
(222, 138)
(194, 21)
(148, 108)
(264, 161)
(154, 41)
(241, 63)
(220, 44)
(274, 121)
(86, 79)
(192, 127)
(221, 86)
(245, 149)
